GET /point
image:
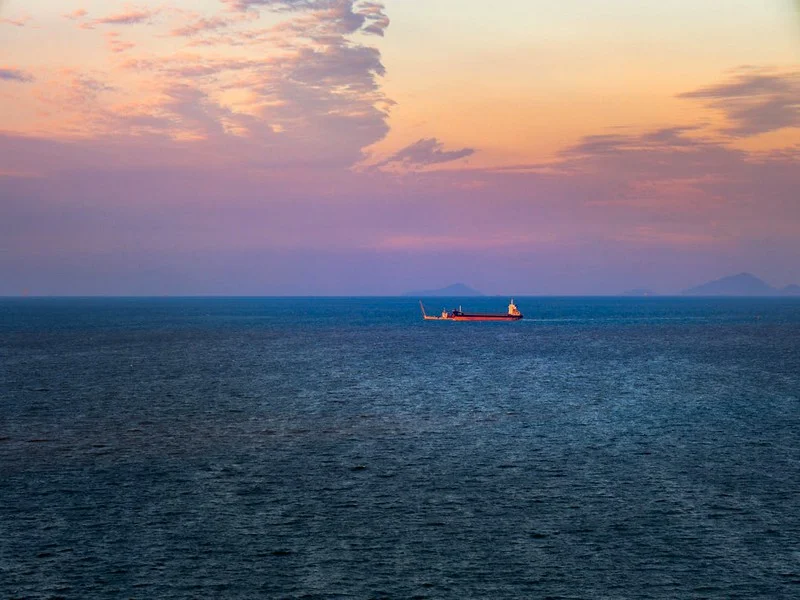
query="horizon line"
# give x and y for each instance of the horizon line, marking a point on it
(398, 296)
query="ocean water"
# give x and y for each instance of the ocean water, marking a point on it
(344, 448)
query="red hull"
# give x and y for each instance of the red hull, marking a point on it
(486, 318)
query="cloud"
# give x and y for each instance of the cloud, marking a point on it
(117, 45)
(426, 243)
(202, 25)
(79, 13)
(620, 210)
(193, 67)
(673, 187)
(662, 154)
(12, 74)
(665, 139)
(424, 152)
(331, 17)
(377, 21)
(130, 16)
(18, 22)
(647, 235)
(243, 5)
(686, 169)
(756, 101)
(309, 93)
(251, 150)
(312, 102)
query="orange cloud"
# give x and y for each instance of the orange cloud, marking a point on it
(18, 22)
(76, 14)
(130, 16)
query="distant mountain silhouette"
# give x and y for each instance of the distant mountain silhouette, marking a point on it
(791, 290)
(456, 289)
(743, 284)
(639, 292)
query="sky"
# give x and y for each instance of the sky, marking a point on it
(366, 147)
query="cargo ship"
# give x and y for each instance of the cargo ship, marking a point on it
(457, 314)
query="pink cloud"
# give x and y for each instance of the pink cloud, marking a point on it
(428, 243)
(644, 234)
(117, 45)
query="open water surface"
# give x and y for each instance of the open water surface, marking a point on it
(344, 448)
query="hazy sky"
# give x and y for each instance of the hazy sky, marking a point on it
(367, 147)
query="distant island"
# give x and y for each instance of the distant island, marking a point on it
(455, 290)
(743, 284)
(639, 292)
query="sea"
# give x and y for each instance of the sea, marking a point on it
(317, 448)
